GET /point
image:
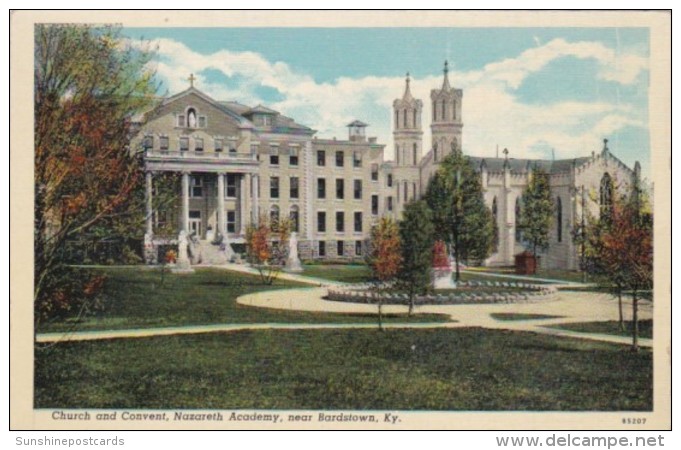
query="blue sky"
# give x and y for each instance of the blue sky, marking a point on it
(528, 89)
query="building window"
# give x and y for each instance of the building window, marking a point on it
(415, 152)
(606, 196)
(357, 159)
(232, 151)
(148, 142)
(389, 202)
(219, 145)
(374, 205)
(435, 153)
(321, 222)
(406, 191)
(198, 144)
(413, 185)
(390, 180)
(357, 189)
(321, 158)
(294, 216)
(230, 186)
(231, 222)
(358, 222)
(195, 187)
(340, 221)
(340, 188)
(397, 119)
(559, 219)
(404, 118)
(164, 143)
(358, 248)
(274, 156)
(443, 109)
(322, 248)
(293, 157)
(181, 121)
(339, 247)
(293, 187)
(321, 188)
(397, 154)
(454, 110)
(184, 144)
(374, 172)
(434, 113)
(274, 187)
(339, 159)
(274, 217)
(414, 118)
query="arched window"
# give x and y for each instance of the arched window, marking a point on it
(191, 118)
(294, 216)
(397, 154)
(414, 118)
(404, 118)
(406, 192)
(435, 153)
(434, 112)
(415, 150)
(454, 109)
(413, 185)
(274, 213)
(606, 195)
(443, 109)
(559, 220)
(398, 191)
(397, 119)
(518, 211)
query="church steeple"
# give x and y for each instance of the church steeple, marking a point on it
(407, 97)
(407, 127)
(445, 82)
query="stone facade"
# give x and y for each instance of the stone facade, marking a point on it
(238, 163)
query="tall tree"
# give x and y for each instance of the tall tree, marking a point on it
(384, 258)
(88, 85)
(267, 246)
(536, 214)
(460, 216)
(417, 237)
(619, 249)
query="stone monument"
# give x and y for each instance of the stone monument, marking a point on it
(183, 265)
(293, 262)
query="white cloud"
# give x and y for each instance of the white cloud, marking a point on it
(492, 114)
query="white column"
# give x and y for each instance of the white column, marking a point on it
(185, 201)
(248, 202)
(242, 204)
(149, 204)
(221, 205)
(256, 206)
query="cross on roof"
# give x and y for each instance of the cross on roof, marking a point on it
(605, 143)
(446, 67)
(407, 77)
(191, 79)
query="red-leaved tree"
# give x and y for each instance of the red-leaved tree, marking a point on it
(384, 258)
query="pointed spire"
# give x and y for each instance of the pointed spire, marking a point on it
(445, 83)
(605, 146)
(407, 97)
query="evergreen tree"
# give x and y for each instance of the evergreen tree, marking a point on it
(536, 216)
(417, 237)
(460, 216)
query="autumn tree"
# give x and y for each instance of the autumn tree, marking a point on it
(619, 249)
(384, 258)
(537, 212)
(417, 237)
(460, 215)
(89, 83)
(267, 246)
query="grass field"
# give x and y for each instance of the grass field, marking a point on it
(136, 298)
(455, 369)
(346, 273)
(645, 328)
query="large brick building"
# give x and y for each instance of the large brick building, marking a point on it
(238, 163)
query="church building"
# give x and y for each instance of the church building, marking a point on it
(238, 163)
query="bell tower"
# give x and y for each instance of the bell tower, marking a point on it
(446, 124)
(407, 132)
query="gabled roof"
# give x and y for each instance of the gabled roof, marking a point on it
(525, 165)
(192, 90)
(260, 109)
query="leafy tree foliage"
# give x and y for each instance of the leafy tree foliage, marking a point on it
(536, 214)
(416, 237)
(267, 246)
(460, 215)
(88, 86)
(384, 258)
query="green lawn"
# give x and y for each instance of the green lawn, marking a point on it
(346, 273)
(645, 328)
(562, 275)
(135, 298)
(519, 316)
(437, 369)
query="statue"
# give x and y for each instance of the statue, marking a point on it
(442, 268)
(183, 264)
(192, 119)
(293, 262)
